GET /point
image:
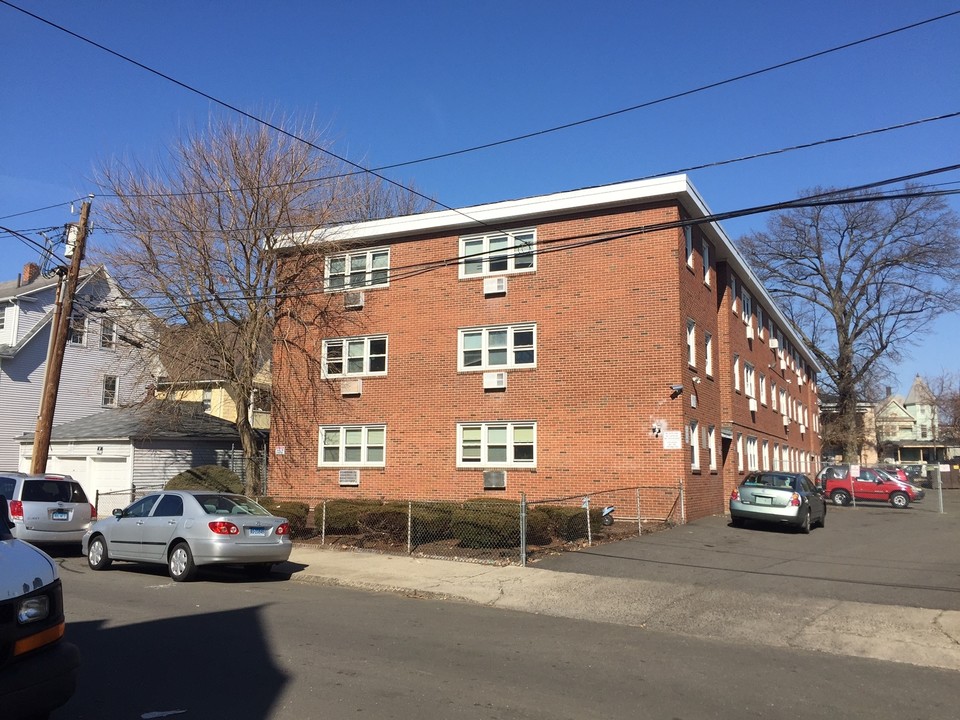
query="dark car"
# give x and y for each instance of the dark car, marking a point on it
(38, 669)
(778, 497)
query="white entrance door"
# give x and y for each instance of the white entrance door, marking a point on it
(111, 477)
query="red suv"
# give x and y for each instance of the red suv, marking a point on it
(841, 486)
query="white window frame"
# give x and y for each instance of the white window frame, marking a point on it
(776, 457)
(510, 445)
(773, 396)
(736, 372)
(106, 391)
(691, 343)
(763, 388)
(765, 455)
(740, 455)
(485, 348)
(712, 447)
(752, 463)
(694, 445)
(345, 345)
(708, 350)
(706, 262)
(475, 250)
(373, 277)
(365, 445)
(747, 306)
(108, 334)
(77, 331)
(688, 241)
(749, 381)
(734, 295)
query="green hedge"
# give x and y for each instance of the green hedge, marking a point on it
(343, 516)
(295, 513)
(207, 477)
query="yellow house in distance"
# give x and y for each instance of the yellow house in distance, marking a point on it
(216, 400)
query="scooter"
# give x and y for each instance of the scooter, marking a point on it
(606, 515)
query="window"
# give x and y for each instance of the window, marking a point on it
(694, 445)
(783, 401)
(733, 293)
(355, 356)
(765, 454)
(749, 387)
(752, 454)
(760, 321)
(688, 239)
(506, 346)
(747, 312)
(78, 328)
(207, 399)
(773, 396)
(506, 444)
(108, 334)
(736, 372)
(763, 388)
(776, 456)
(352, 445)
(740, 452)
(109, 397)
(706, 263)
(169, 506)
(708, 350)
(712, 446)
(691, 343)
(496, 253)
(357, 270)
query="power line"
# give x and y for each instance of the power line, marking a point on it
(376, 172)
(817, 200)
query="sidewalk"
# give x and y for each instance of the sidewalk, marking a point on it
(928, 638)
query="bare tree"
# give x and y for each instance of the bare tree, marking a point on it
(945, 394)
(196, 239)
(859, 279)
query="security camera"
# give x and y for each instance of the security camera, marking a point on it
(677, 388)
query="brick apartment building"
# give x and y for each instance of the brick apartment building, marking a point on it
(556, 345)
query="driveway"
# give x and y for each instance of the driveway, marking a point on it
(872, 553)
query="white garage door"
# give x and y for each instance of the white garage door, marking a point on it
(75, 467)
(111, 476)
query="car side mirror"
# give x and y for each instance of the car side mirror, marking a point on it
(117, 513)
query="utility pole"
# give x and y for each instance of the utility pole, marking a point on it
(59, 330)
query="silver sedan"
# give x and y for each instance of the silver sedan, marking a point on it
(188, 529)
(778, 497)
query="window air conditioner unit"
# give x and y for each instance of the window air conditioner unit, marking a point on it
(783, 363)
(786, 420)
(774, 343)
(494, 381)
(753, 404)
(750, 333)
(803, 429)
(349, 478)
(353, 386)
(495, 286)
(494, 479)
(353, 300)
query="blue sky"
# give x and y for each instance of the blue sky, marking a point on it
(398, 81)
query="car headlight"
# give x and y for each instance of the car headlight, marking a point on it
(33, 609)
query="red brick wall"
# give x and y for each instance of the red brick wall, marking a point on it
(611, 340)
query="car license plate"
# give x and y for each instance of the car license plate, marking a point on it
(257, 531)
(59, 515)
(763, 500)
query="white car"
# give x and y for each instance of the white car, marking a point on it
(47, 509)
(185, 530)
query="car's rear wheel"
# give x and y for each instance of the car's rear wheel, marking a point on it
(181, 565)
(737, 522)
(899, 500)
(805, 523)
(840, 497)
(823, 518)
(97, 556)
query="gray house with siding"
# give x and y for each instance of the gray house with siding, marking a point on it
(113, 451)
(108, 360)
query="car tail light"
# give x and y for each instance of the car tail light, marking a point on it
(795, 500)
(16, 510)
(222, 527)
(735, 495)
(93, 511)
(283, 529)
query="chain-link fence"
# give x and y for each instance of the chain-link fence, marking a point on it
(492, 530)
(107, 501)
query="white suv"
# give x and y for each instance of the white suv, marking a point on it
(47, 509)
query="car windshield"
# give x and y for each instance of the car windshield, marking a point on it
(230, 505)
(53, 491)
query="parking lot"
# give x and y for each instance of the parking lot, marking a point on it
(871, 553)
